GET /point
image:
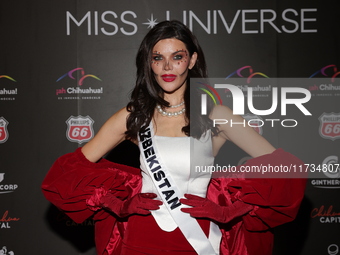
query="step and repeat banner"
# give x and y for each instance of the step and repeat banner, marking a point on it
(66, 66)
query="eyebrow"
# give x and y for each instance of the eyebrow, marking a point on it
(159, 54)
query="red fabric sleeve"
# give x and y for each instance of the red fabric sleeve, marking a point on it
(72, 180)
(276, 201)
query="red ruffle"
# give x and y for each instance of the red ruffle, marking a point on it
(73, 180)
(275, 201)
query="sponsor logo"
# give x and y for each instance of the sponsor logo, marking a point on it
(82, 78)
(7, 93)
(80, 91)
(79, 129)
(330, 71)
(5, 251)
(329, 126)
(6, 220)
(331, 171)
(333, 249)
(7, 77)
(249, 74)
(329, 85)
(244, 21)
(6, 188)
(326, 214)
(3, 130)
(333, 167)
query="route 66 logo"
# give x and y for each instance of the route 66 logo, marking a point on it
(330, 126)
(79, 129)
(3, 130)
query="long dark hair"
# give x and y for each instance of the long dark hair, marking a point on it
(147, 93)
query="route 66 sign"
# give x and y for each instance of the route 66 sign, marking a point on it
(3, 130)
(330, 126)
(79, 129)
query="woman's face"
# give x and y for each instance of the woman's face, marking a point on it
(170, 64)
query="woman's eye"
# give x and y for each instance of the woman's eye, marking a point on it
(156, 58)
(178, 57)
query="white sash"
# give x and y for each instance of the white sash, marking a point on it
(170, 195)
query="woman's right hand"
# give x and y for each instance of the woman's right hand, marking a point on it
(140, 204)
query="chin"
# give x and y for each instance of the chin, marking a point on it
(170, 88)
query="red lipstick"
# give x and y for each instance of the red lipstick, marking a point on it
(168, 77)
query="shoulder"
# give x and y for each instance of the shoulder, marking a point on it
(233, 127)
(220, 111)
(223, 115)
(122, 113)
(117, 123)
(108, 137)
(119, 118)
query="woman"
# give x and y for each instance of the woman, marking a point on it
(185, 207)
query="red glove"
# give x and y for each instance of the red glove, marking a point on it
(141, 203)
(205, 208)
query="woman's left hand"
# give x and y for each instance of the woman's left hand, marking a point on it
(205, 208)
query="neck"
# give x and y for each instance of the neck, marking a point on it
(174, 101)
(174, 98)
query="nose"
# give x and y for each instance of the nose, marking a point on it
(167, 65)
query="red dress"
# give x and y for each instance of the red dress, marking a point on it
(73, 179)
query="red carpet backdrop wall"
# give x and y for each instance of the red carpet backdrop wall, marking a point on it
(66, 66)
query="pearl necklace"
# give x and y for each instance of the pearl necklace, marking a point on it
(177, 105)
(170, 114)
